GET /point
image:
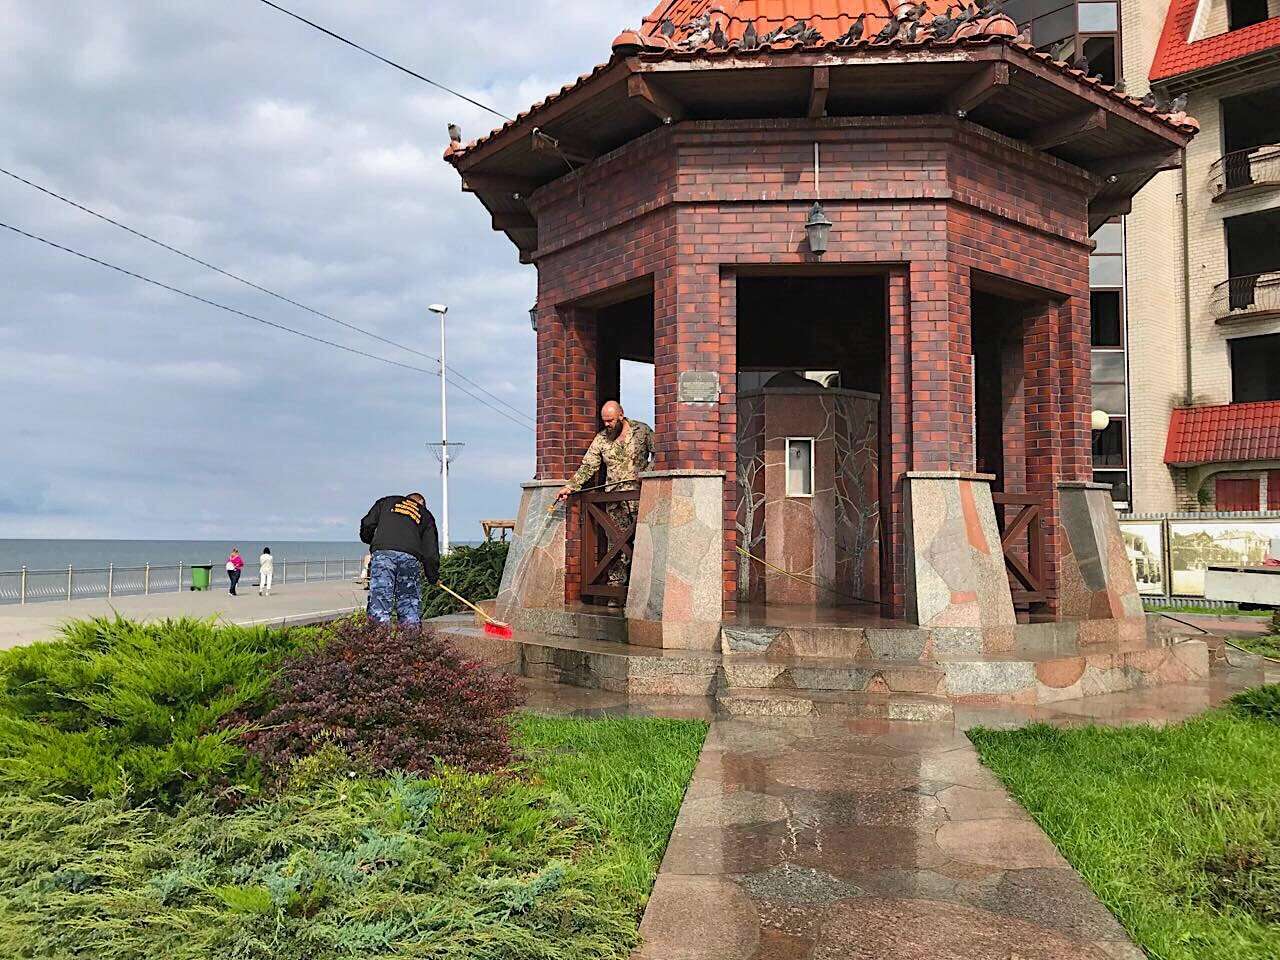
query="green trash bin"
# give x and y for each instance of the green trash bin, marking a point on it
(200, 573)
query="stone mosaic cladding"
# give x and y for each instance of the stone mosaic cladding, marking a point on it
(751, 493)
(534, 573)
(958, 576)
(1096, 578)
(674, 598)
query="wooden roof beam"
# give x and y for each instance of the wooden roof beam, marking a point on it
(819, 86)
(514, 221)
(653, 98)
(1137, 163)
(1058, 132)
(497, 183)
(1108, 207)
(574, 153)
(988, 81)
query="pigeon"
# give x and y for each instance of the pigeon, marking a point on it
(943, 27)
(1059, 51)
(888, 31)
(750, 38)
(1024, 36)
(1118, 86)
(913, 27)
(916, 12)
(455, 133)
(1178, 104)
(718, 37)
(667, 29)
(1081, 63)
(854, 33)
(1150, 99)
(810, 36)
(991, 8)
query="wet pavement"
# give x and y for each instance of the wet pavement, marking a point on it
(825, 838)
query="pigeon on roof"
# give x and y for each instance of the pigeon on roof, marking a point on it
(854, 33)
(750, 37)
(1178, 104)
(943, 27)
(455, 133)
(667, 29)
(718, 37)
(888, 31)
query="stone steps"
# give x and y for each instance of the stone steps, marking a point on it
(749, 702)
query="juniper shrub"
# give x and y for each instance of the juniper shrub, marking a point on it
(401, 698)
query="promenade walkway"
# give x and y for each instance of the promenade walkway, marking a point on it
(292, 603)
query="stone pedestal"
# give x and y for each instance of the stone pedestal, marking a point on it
(1095, 580)
(674, 599)
(955, 566)
(533, 577)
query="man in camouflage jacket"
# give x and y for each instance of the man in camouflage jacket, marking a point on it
(625, 448)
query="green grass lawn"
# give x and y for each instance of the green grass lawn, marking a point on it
(119, 841)
(1177, 830)
(1268, 646)
(1204, 610)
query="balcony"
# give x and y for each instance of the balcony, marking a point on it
(1247, 298)
(1245, 171)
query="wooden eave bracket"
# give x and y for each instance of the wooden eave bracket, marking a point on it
(1109, 207)
(989, 81)
(573, 153)
(1137, 163)
(652, 97)
(819, 85)
(497, 183)
(1058, 132)
(514, 221)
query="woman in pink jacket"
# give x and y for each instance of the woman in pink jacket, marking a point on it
(235, 563)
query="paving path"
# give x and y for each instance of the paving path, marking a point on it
(849, 839)
(288, 604)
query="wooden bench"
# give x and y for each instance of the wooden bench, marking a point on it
(503, 525)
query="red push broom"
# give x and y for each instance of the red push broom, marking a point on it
(495, 628)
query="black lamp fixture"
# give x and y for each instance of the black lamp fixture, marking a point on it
(818, 229)
(533, 317)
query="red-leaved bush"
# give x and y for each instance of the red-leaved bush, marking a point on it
(399, 698)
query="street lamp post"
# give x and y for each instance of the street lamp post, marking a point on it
(441, 309)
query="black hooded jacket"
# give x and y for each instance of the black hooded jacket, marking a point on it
(398, 523)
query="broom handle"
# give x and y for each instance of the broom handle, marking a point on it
(463, 599)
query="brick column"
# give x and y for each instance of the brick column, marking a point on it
(695, 329)
(567, 413)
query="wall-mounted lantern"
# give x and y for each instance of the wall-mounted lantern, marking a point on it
(818, 229)
(1099, 420)
(533, 317)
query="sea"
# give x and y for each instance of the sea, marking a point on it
(92, 554)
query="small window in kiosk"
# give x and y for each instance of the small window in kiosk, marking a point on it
(799, 466)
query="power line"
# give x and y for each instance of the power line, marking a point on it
(249, 283)
(390, 63)
(232, 310)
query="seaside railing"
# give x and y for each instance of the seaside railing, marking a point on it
(79, 583)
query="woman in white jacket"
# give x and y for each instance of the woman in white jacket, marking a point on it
(266, 567)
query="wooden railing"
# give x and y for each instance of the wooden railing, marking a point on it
(1022, 540)
(603, 542)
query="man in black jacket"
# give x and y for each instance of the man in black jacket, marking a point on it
(401, 534)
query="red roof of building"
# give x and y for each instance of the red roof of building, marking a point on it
(1176, 56)
(832, 17)
(1233, 431)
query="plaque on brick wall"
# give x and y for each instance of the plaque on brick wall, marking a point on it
(698, 386)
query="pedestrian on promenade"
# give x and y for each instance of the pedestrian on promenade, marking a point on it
(401, 533)
(266, 568)
(235, 564)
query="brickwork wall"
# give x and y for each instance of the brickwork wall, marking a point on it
(927, 201)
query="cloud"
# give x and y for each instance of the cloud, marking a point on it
(285, 157)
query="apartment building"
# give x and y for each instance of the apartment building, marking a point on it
(1202, 299)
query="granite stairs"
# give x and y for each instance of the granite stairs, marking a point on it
(900, 672)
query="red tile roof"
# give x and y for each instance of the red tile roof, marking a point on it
(832, 17)
(1175, 56)
(1233, 431)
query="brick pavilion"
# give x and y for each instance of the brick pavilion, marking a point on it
(673, 201)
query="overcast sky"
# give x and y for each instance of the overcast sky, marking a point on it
(256, 143)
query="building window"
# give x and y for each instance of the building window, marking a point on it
(1273, 491)
(1101, 54)
(1253, 257)
(1109, 445)
(799, 466)
(1098, 18)
(1104, 310)
(1255, 368)
(1236, 494)
(1245, 13)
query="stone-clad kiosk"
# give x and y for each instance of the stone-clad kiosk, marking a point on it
(900, 221)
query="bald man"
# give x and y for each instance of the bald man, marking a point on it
(625, 448)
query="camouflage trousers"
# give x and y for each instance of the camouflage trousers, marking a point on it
(395, 581)
(624, 515)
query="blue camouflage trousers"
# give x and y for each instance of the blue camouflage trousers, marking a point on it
(395, 580)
